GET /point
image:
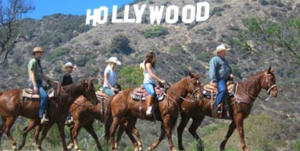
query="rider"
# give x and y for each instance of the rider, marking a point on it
(66, 79)
(110, 76)
(220, 72)
(149, 80)
(36, 75)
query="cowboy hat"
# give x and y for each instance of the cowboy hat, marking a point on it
(37, 49)
(113, 60)
(220, 48)
(65, 66)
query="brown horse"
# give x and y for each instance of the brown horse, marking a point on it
(84, 113)
(123, 106)
(13, 105)
(241, 105)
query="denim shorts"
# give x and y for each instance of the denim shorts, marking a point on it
(149, 88)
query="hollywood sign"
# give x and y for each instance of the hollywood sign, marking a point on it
(189, 14)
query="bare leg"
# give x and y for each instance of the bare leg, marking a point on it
(193, 130)
(9, 123)
(239, 121)
(61, 128)
(90, 129)
(161, 137)
(32, 124)
(44, 133)
(180, 129)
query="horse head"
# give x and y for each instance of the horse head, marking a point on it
(269, 82)
(194, 86)
(89, 90)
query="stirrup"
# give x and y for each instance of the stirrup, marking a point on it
(44, 120)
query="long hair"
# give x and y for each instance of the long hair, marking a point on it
(151, 55)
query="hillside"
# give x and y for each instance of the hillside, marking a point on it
(180, 48)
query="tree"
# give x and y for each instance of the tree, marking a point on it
(11, 12)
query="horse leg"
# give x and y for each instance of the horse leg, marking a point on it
(37, 131)
(161, 137)
(75, 131)
(33, 123)
(231, 129)
(239, 122)
(112, 130)
(121, 130)
(71, 144)
(193, 130)
(2, 128)
(9, 123)
(44, 134)
(184, 121)
(130, 126)
(61, 129)
(90, 129)
(137, 135)
(167, 120)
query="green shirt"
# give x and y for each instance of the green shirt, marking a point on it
(37, 70)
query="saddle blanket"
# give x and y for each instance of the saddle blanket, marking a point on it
(28, 93)
(141, 93)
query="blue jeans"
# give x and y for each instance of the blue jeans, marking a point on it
(69, 115)
(222, 91)
(108, 91)
(43, 98)
(150, 88)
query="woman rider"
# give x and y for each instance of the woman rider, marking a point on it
(149, 80)
(66, 79)
(110, 76)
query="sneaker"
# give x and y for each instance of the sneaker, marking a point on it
(149, 111)
(70, 122)
(44, 120)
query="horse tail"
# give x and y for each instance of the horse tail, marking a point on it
(108, 118)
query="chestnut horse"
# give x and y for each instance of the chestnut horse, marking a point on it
(241, 105)
(84, 113)
(13, 105)
(123, 106)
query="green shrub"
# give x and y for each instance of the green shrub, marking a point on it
(264, 2)
(217, 11)
(155, 31)
(58, 53)
(175, 48)
(96, 43)
(120, 44)
(131, 77)
(85, 59)
(297, 145)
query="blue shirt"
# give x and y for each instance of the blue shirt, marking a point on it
(111, 76)
(219, 69)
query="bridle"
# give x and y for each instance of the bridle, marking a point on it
(185, 87)
(271, 87)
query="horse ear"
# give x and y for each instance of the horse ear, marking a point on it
(269, 70)
(190, 74)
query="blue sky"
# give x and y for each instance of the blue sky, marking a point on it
(75, 7)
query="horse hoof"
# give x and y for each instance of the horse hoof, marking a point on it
(14, 148)
(140, 148)
(70, 146)
(174, 149)
(150, 148)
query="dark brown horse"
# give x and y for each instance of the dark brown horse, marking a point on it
(122, 106)
(13, 105)
(241, 105)
(84, 113)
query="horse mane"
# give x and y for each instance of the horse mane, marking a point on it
(70, 90)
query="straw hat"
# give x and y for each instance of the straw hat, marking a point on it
(113, 60)
(65, 66)
(37, 49)
(220, 48)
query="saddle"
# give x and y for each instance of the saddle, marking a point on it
(101, 94)
(209, 91)
(141, 93)
(29, 95)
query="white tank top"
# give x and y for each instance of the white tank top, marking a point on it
(148, 78)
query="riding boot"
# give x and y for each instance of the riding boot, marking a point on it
(149, 105)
